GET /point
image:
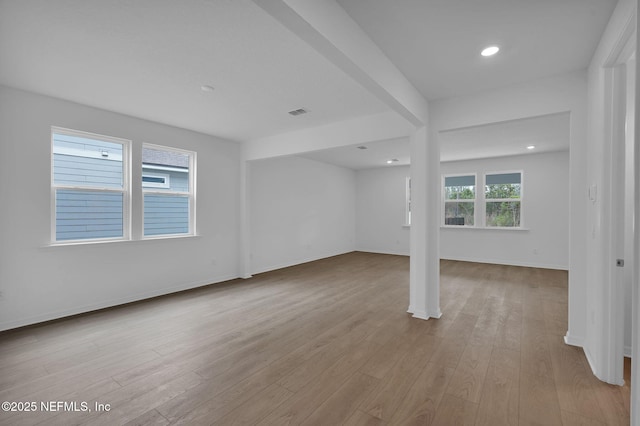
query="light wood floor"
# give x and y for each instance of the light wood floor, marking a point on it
(324, 343)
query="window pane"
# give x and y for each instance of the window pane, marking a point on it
(166, 214)
(82, 161)
(88, 214)
(504, 185)
(503, 213)
(460, 187)
(459, 193)
(458, 213)
(174, 165)
(166, 172)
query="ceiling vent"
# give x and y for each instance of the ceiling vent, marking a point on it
(298, 111)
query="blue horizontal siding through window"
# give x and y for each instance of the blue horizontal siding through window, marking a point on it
(85, 214)
(85, 143)
(166, 214)
(71, 170)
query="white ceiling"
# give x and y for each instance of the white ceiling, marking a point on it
(547, 133)
(376, 154)
(149, 58)
(437, 43)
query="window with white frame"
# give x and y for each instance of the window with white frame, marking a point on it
(168, 190)
(89, 186)
(503, 199)
(459, 193)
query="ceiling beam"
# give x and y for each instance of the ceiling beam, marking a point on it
(329, 30)
(359, 130)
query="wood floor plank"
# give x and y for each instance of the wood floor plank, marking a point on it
(572, 380)
(573, 419)
(389, 354)
(536, 356)
(343, 403)
(150, 418)
(454, 411)
(509, 333)
(448, 352)
(486, 327)
(303, 403)
(360, 418)
(385, 400)
(539, 403)
(132, 401)
(500, 400)
(421, 402)
(257, 407)
(611, 400)
(76, 378)
(325, 342)
(468, 378)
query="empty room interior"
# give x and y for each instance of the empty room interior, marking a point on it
(358, 212)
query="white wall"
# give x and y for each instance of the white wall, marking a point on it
(40, 282)
(300, 210)
(380, 210)
(545, 215)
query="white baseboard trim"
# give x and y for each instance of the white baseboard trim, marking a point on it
(300, 261)
(627, 351)
(587, 354)
(424, 315)
(376, 251)
(596, 372)
(49, 316)
(421, 315)
(574, 341)
(508, 263)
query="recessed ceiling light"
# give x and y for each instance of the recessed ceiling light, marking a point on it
(393, 160)
(207, 88)
(530, 147)
(490, 51)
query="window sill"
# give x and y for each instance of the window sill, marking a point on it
(485, 228)
(100, 242)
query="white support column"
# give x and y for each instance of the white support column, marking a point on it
(424, 277)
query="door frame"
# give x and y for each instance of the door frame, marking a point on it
(616, 98)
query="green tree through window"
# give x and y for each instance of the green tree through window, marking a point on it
(460, 195)
(502, 195)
